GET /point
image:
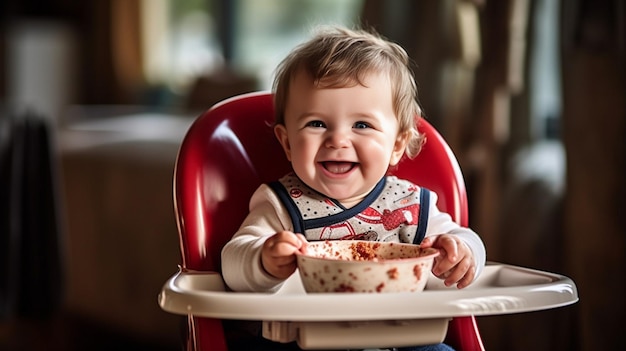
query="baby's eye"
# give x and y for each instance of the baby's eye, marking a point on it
(361, 125)
(316, 124)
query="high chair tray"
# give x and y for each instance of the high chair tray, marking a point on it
(501, 289)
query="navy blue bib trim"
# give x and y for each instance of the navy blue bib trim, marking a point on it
(348, 212)
(300, 225)
(292, 209)
(422, 221)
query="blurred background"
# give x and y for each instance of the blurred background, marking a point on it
(95, 97)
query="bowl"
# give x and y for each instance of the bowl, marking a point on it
(364, 266)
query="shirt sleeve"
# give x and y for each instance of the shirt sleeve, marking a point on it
(441, 223)
(241, 256)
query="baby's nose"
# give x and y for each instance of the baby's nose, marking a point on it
(337, 139)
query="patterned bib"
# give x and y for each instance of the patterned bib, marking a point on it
(392, 211)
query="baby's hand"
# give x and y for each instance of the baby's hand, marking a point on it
(455, 263)
(278, 253)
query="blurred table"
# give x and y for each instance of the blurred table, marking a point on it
(121, 235)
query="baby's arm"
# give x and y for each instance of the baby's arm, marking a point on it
(462, 252)
(278, 253)
(242, 262)
(455, 263)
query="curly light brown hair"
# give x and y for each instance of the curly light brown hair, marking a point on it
(341, 57)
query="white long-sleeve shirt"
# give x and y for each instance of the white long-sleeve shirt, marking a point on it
(241, 256)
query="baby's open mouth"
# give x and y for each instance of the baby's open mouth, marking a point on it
(338, 167)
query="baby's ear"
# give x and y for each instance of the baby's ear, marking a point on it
(281, 134)
(398, 148)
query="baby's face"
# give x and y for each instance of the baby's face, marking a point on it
(341, 141)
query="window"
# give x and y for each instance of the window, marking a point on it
(267, 30)
(180, 41)
(184, 39)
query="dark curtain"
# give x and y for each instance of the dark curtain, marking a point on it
(30, 259)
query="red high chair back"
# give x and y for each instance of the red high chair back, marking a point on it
(230, 150)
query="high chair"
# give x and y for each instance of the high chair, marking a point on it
(227, 153)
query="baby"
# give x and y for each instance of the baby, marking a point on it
(346, 108)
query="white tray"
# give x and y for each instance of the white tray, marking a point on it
(292, 314)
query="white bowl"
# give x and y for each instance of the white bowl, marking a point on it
(364, 266)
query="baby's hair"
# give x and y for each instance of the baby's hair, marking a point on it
(340, 57)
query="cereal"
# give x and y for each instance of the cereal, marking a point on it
(364, 251)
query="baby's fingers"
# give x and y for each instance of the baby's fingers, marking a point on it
(461, 274)
(284, 243)
(467, 279)
(283, 249)
(445, 244)
(427, 242)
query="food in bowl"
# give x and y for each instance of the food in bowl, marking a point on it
(364, 266)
